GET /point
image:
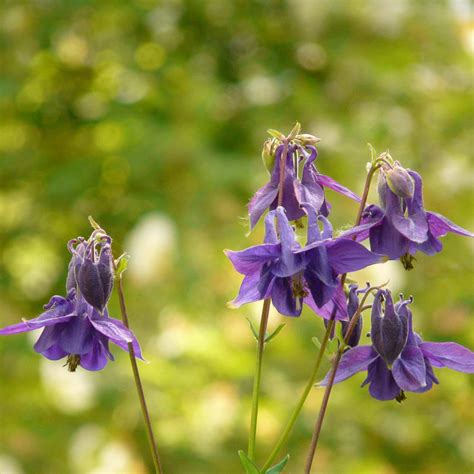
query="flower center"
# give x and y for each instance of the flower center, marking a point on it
(407, 261)
(298, 288)
(72, 362)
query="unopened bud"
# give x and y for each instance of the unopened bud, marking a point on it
(307, 139)
(400, 182)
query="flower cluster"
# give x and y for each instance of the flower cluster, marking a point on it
(78, 326)
(291, 274)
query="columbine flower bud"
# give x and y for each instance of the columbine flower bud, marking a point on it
(352, 305)
(95, 277)
(400, 182)
(307, 139)
(389, 329)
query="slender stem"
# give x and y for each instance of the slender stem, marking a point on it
(263, 329)
(327, 393)
(289, 426)
(257, 378)
(138, 383)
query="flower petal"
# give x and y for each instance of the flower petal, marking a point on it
(76, 336)
(348, 256)
(54, 352)
(251, 260)
(386, 240)
(253, 288)
(335, 186)
(283, 299)
(440, 226)
(261, 201)
(382, 384)
(449, 354)
(409, 370)
(354, 360)
(336, 304)
(96, 358)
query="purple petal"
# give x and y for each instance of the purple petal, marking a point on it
(261, 201)
(449, 354)
(46, 319)
(382, 384)
(251, 260)
(271, 236)
(335, 186)
(49, 337)
(409, 370)
(96, 358)
(430, 378)
(336, 304)
(77, 336)
(354, 360)
(283, 299)
(112, 328)
(386, 240)
(348, 256)
(372, 216)
(54, 353)
(124, 346)
(314, 234)
(309, 190)
(251, 290)
(440, 226)
(414, 227)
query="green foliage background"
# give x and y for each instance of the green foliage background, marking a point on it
(154, 112)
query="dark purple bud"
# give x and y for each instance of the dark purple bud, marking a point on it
(352, 305)
(389, 328)
(400, 182)
(95, 276)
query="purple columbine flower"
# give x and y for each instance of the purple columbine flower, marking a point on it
(73, 328)
(282, 270)
(398, 360)
(309, 188)
(401, 227)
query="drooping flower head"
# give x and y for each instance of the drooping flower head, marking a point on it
(401, 226)
(79, 326)
(398, 360)
(289, 274)
(302, 184)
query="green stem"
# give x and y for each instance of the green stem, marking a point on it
(263, 328)
(138, 384)
(327, 393)
(257, 378)
(289, 426)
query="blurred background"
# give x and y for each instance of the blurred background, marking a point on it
(150, 116)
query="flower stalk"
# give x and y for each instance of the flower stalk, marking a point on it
(263, 330)
(375, 165)
(138, 383)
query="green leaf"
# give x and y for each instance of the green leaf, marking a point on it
(253, 329)
(277, 468)
(121, 265)
(249, 466)
(276, 134)
(274, 333)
